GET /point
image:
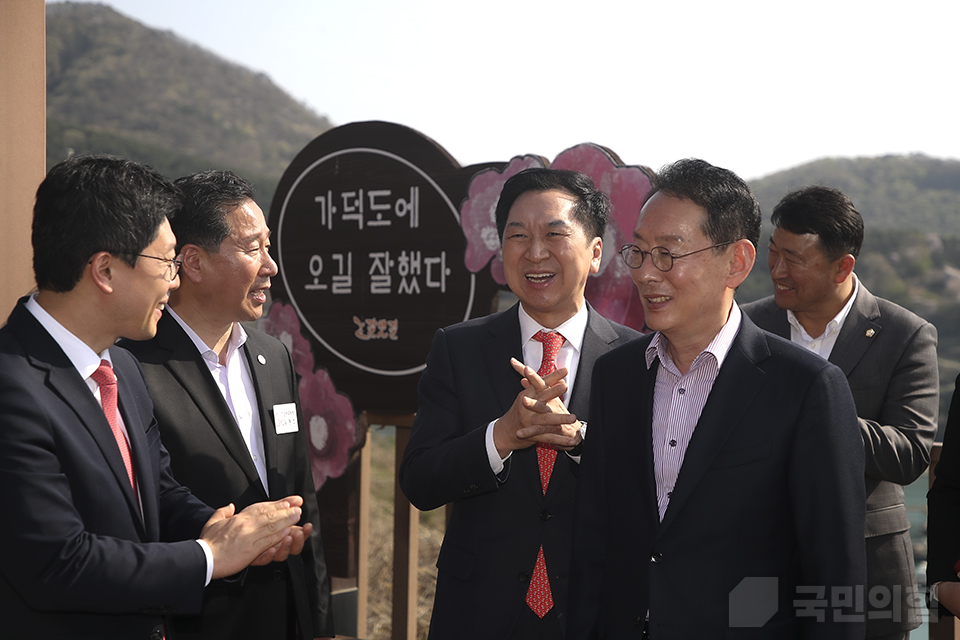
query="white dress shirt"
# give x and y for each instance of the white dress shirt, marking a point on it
(823, 344)
(235, 383)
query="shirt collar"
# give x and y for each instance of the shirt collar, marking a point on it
(84, 359)
(719, 347)
(237, 337)
(834, 325)
(572, 330)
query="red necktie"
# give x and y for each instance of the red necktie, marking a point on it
(107, 381)
(539, 598)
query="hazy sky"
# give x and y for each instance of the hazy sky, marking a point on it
(752, 85)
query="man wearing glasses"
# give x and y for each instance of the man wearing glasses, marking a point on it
(720, 490)
(99, 540)
(479, 442)
(227, 404)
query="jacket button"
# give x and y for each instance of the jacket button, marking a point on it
(277, 575)
(545, 515)
(656, 558)
(522, 577)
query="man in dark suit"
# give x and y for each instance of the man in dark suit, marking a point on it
(889, 356)
(226, 401)
(503, 563)
(99, 540)
(943, 521)
(721, 491)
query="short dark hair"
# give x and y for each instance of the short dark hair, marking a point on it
(592, 208)
(208, 196)
(827, 213)
(733, 212)
(90, 203)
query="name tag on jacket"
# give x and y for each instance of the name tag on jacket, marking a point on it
(285, 417)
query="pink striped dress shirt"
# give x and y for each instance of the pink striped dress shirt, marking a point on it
(678, 400)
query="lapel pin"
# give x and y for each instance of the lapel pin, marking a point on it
(871, 333)
(263, 360)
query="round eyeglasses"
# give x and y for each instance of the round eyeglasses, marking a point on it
(661, 256)
(173, 265)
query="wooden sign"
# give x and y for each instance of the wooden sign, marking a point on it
(367, 236)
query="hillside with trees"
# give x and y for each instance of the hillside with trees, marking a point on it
(115, 85)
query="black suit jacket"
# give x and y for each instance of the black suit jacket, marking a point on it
(943, 505)
(208, 454)
(770, 491)
(76, 560)
(497, 524)
(889, 356)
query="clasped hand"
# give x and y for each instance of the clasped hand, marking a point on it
(537, 415)
(262, 533)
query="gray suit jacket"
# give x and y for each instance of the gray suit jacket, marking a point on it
(208, 454)
(889, 356)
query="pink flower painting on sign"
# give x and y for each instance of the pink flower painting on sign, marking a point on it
(331, 426)
(330, 422)
(282, 323)
(479, 220)
(611, 291)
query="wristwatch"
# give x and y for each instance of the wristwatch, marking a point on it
(583, 435)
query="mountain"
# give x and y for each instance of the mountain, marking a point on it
(891, 192)
(117, 86)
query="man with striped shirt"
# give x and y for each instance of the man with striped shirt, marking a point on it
(720, 493)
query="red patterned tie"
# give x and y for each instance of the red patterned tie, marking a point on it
(107, 381)
(539, 598)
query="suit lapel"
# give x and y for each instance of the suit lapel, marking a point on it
(68, 384)
(188, 367)
(258, 365)
(65, 381)
(859, 331)
(733, 392)
(503, 343)
(147, 490)
(596, 340)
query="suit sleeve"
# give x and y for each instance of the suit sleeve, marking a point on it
(58, 558)
(943, 504)
(446, 457)
(314, 561)
(898, 442)
(829, 504)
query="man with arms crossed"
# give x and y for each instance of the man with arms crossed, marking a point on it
(226, 401)
(889, 356)
(502, 570)
(722, 480)
(99, 540)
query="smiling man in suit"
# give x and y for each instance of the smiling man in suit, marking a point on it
(889, 356)
(226, 400)
(98, 539)
(502, 570)
(721, 490)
